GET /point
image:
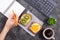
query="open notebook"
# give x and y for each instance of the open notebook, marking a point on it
(6, 7)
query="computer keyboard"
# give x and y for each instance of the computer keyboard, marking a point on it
(43, 6)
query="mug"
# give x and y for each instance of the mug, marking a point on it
(48, 33)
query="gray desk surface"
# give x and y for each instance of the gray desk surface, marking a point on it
(18, 33)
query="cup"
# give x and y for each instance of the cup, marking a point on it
(48, 33)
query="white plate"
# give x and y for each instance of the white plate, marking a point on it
(34, 19)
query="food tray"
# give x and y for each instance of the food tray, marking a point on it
(34, 19)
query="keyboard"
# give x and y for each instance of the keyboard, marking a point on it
(43, 6)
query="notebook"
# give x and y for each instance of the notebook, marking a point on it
(6, 7)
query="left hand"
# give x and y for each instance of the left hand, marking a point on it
(10, 22)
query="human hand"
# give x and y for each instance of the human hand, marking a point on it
(10, 22)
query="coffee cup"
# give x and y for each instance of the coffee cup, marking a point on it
(48, 33)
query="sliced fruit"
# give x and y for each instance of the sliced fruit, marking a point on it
(25, 18)
(35, 27)
(23, 21)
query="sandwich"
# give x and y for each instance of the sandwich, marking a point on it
(25, 18)
(35, 27)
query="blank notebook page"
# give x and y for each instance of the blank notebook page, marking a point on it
(17, 7)
(4, 4)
